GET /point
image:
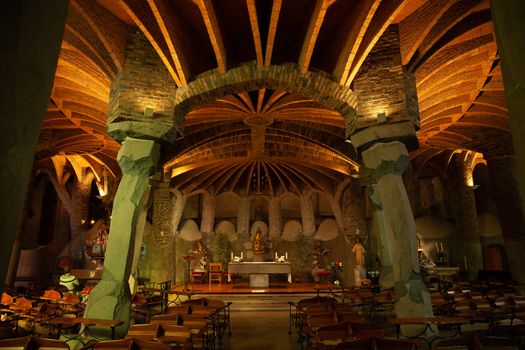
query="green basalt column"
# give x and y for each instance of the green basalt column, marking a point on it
(506, 195)
(509, 28)
(111, 298)
(385, 162)
(30, 37)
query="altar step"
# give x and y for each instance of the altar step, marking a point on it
(255, 301)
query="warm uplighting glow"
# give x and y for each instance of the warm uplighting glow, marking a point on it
(92, 222)
(83, 221)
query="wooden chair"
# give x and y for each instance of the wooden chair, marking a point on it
(176, 335)
(148, 331)
(115, 344)
(367, 330)
(45, 343)
(15, 343)
(215, 272)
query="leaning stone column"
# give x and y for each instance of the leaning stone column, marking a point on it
(385, 162)
(208, 213)
(274, 218)
(506, 194)
(111, 298)
(307, 213)
(243, 215)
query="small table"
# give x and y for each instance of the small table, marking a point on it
(428, 322)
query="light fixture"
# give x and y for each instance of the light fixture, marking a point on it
(83, 221)
(148, 112)
(474, 187)
(348, 141)
(92, 222)
(381, 118)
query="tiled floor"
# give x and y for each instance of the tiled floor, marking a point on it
(265, 330)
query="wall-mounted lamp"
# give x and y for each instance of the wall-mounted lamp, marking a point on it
(381, 117)
(148, 112)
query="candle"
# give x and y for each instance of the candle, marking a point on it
(286, 255)
(437, 247)
(441, 247)
(232, 255)
(276, 257)
(242, 255)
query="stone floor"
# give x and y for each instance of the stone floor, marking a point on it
(260, 330)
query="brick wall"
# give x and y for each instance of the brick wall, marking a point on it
(384, 85)
(144, 83)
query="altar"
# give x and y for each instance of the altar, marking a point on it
(259, 271)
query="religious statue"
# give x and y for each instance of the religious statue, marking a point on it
(359, 253)
(202, 256)
(258, 242)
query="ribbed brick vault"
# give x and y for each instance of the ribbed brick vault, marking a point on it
(284, 140)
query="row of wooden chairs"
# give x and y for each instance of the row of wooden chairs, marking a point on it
(32, 343)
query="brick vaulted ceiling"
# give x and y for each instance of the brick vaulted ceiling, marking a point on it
(267, 140)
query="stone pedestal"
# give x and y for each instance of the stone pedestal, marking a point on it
(359, 275)
(258, 257)
(259, 280)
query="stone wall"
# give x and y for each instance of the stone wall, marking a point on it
(385, 86)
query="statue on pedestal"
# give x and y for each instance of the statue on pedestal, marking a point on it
(359, 253)
(258, 242)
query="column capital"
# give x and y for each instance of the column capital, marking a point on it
(385, 158)
(146, 130)
(138, 157)
(404, 132)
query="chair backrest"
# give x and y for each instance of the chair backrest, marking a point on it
(179, 309)
(45, 343)
(174, 318)
(215, 267)
(6, 299)
(322, 319)
(15, 343)
(149, 345)
(176, 331)
(338, 331)
(364, 344)
(343, 316)
(366, 330)
(115, 344)
(147, 331)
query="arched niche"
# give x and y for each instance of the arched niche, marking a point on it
(259, 206)
(327, 231)
(193, 207)
(259, 225)
(227, 228)
(226, 205)
(189, 231)
(290, 205)
(291, 230)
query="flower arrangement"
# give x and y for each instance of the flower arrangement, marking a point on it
(336, 267)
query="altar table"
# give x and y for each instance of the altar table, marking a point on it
(260, 268)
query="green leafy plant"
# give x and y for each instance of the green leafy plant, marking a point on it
(300, 255)
(222, 249)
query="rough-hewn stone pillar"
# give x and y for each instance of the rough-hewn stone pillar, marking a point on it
(469, 219)
(179, 202)
(506, 194)
(111, 299)
(208, 213)
(31, 33)
(507, 17)
(307, 213)
(243, 215)
(385, 162)
(274, 218)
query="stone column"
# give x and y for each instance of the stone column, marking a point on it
(385, 162)
(208, 213)
(274, 219)
(111, 298)
(506, 194)
(507, 17)
(469, 219)
(243, 216)
(30, 40)
(307, 213)
(178, 204)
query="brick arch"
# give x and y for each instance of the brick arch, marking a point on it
(213, 85)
